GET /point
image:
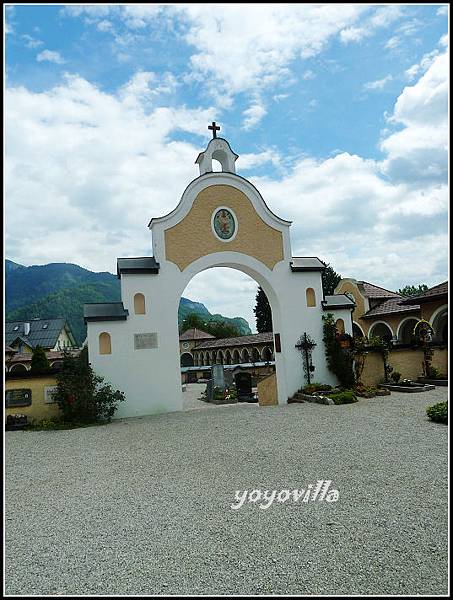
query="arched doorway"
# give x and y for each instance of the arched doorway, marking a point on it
(187, 360)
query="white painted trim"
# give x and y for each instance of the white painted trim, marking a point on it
(217, 178)
(360, 327)
(235, 219)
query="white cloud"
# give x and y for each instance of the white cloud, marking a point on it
(253, 115)
(419, 150)
(308, 75)
(51, 56)
(234, 51)
(103, 164)
(393, 42)
(380, 17)
(31, 42)
(105, 25)
(442, 10)
(379, 84)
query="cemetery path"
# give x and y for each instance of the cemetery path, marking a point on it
(143, 506)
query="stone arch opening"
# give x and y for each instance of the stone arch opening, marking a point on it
(357, 331)
(440, 325)
(187, 359)
(405, 333)
(382, 330)
(254, 270)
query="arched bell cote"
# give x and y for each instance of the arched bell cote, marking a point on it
(218, 149)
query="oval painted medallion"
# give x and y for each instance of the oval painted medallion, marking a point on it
(224, 224)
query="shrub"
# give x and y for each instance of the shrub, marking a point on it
(316, 387)
(83, 396)
(39, 361)
(339, 360)
(395, 376)
(438, 412)
(347, 397)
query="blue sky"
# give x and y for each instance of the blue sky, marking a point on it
(338, 113)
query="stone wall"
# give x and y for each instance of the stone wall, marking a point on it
(407, 361)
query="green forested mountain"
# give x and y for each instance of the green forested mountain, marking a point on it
(61, 290)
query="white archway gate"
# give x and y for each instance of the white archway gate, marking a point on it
(220, 221)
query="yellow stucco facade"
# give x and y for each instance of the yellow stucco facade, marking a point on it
(348, 287)
(406, 361)
(39, 408)
(193, 238)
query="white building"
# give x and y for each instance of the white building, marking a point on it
(220, 221)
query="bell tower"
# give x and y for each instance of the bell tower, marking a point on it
(218, 149)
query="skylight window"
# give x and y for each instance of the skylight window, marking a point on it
(16, 328)
(45, 326)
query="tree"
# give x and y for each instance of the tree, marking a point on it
(82, 396)
(263, 312)
(219, 329)
(192, 321)
(39, 361)
(412, 290)
(330, 280)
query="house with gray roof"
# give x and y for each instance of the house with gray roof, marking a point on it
(50, 334)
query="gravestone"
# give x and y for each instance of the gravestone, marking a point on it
(229, 379)
(243, 386)
(218, 376)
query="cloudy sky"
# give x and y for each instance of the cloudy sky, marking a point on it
(338, 113)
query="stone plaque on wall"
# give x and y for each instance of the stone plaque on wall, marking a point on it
(145, 341)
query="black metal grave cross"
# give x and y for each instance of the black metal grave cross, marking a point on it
(305, 345)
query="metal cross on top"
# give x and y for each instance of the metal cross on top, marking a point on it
(214, 128)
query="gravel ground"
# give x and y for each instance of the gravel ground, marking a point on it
(142, 506)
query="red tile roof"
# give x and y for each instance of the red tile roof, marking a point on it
(434, 293)
(391, 306)
(374, 291)
(242, 340)
(195, 334)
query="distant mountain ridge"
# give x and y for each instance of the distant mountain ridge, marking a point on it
(61, 290)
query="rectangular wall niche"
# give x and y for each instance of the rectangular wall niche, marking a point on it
(145, 341)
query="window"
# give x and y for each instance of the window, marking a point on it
(49, 394)
(20, 397)
(16, 328)
(311, 297)
(105, 343)
(139, 304)
(45, 326)
(340, 325)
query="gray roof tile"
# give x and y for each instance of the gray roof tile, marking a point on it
(105, 311)
(43, 332)
(142, 264)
